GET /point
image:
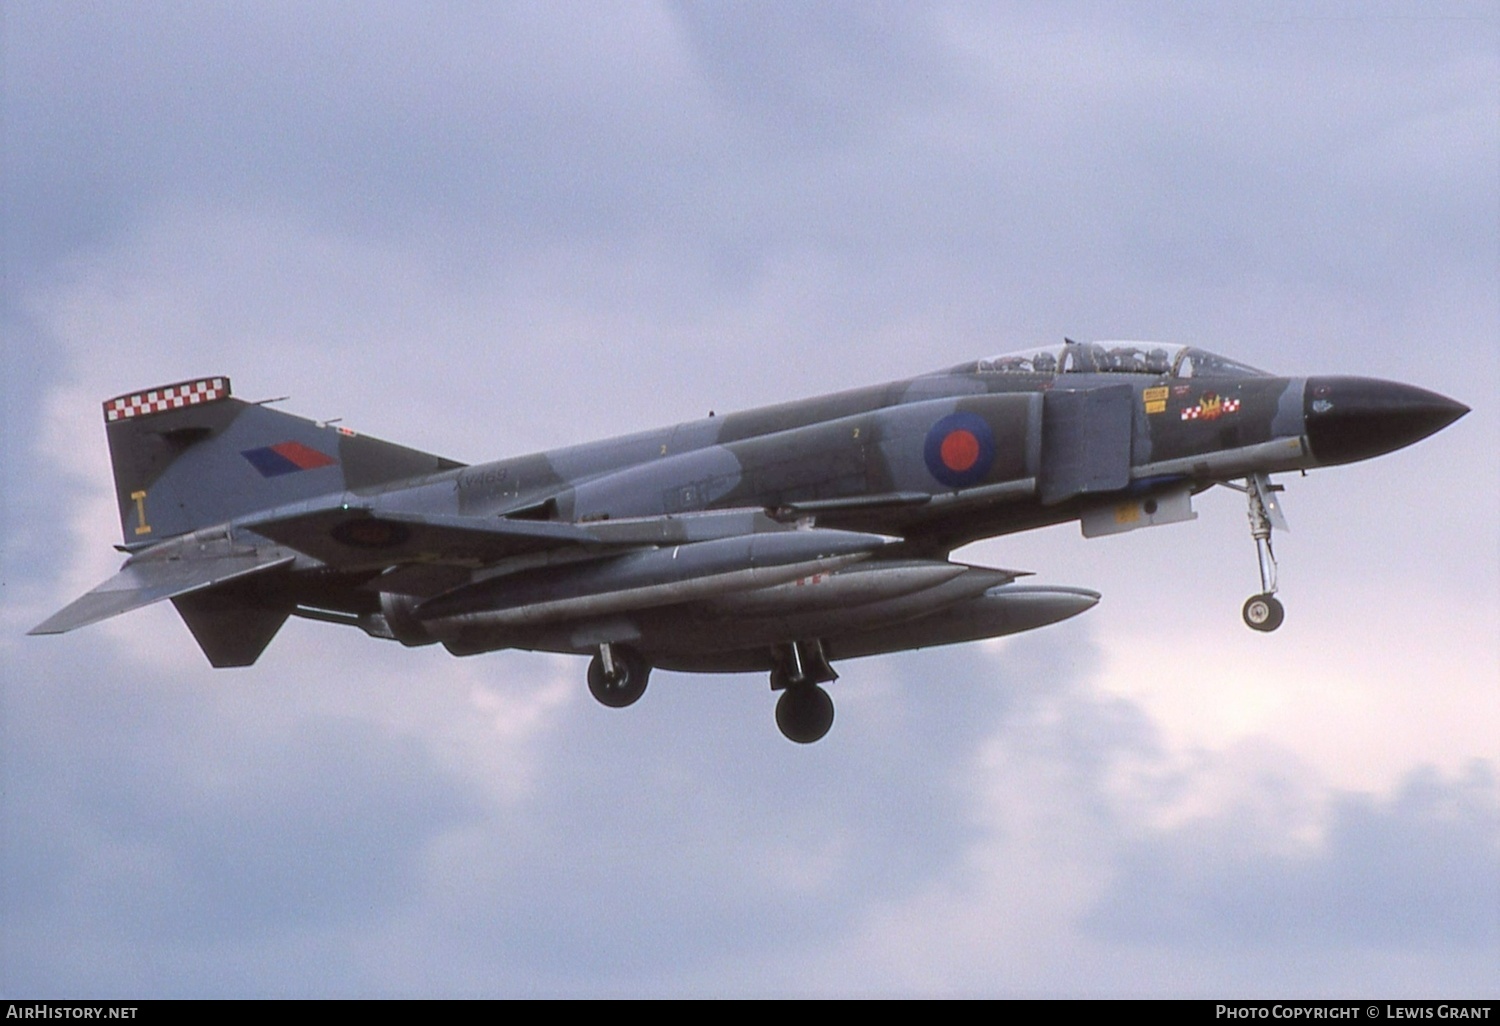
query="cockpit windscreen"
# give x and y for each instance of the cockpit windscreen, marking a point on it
(1159, 358)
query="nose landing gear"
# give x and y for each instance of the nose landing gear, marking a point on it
(1263, 612)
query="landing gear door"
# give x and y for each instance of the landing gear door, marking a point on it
(1086, 441)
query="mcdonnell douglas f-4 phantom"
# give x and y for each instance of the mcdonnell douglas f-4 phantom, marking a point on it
(779, 540)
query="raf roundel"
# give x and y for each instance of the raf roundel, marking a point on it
(960, 450)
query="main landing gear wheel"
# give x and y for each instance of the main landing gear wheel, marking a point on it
(618, 675)
(1263, 612)
(804, 712)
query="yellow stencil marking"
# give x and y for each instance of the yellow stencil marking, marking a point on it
(140, 512)
(1129, 513)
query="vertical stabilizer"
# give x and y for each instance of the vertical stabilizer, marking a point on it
(189, 455)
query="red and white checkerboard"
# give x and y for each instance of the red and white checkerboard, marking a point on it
(167, 397)
(1196, 412)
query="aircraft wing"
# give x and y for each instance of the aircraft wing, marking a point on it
(359, 538)
(419, 554)
(350, 537)
(144, 581)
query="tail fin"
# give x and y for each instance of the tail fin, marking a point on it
(188, 456)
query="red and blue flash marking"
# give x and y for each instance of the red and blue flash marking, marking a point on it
(286, 458)
(960, 449)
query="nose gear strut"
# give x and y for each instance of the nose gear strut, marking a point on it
(1263, 612)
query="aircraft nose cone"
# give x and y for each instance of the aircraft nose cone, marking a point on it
(1348, 419)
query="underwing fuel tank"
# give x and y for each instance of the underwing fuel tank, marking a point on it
(895, 604)
(854, 587)
(979, 603)
(646, 579)
(861, 596)
(1007, 609)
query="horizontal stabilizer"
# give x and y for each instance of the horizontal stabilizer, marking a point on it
(354, 538)
(144, 581)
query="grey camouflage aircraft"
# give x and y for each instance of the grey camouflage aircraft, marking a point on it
(777, 540)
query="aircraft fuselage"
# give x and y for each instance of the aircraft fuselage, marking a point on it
(777, 539)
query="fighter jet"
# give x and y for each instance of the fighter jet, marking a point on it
(778, 540)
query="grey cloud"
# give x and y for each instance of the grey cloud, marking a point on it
(1417, 870)
(365, 120)
(814, 78)
(653, 848)
(685, 836)
(146, 819)
(968, 178)
(190, 845)
(856, 127)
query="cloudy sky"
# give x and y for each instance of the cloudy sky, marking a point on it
(488, 229)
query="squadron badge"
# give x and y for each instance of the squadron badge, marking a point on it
(1211, 407)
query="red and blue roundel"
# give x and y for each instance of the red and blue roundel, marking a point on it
(960, 450)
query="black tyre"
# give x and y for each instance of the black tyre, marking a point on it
(628, 683)
(1263, 613)
(804, 712)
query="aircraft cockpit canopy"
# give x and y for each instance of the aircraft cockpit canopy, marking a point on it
(1159, 358)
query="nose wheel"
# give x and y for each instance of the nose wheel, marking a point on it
(1263, 612)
